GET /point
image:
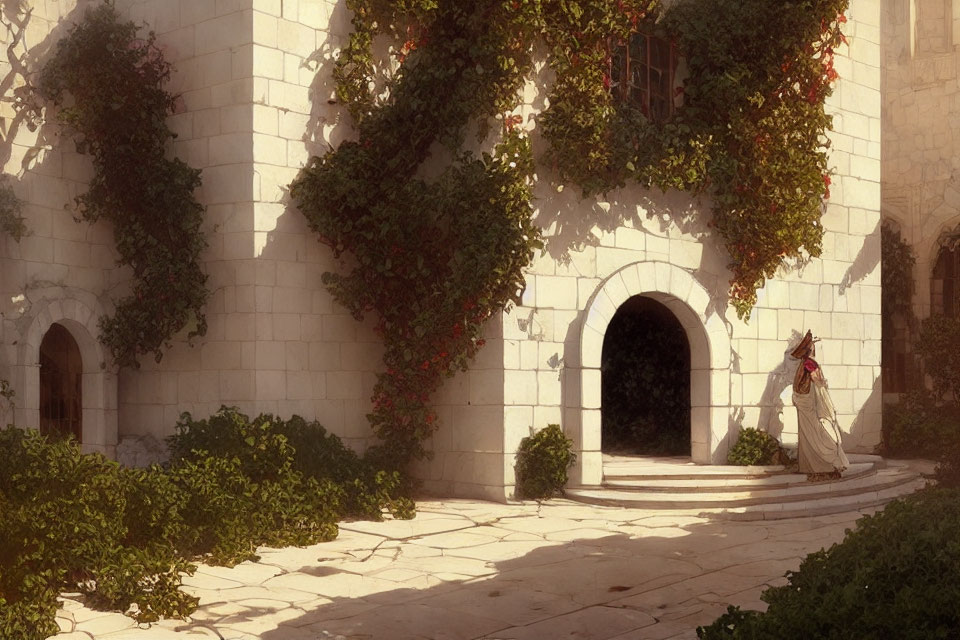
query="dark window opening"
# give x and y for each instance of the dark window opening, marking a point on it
(645, 381)
(945, 283)
(642, 73)
(61, 375)
(895, 357)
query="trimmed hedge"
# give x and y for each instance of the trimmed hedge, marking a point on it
(124, 537)
(894, 576)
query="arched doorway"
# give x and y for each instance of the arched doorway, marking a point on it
(645, 376)
(61, 384)
(710, 360)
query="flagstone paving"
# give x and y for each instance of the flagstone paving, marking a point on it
(476, 570)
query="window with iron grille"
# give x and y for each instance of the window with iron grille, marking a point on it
(642, 73)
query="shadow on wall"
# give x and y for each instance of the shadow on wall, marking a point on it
(866, 429)
(778, 380)
(330, 123)
(640, 585)
(866, 262)
(864, 425)
(43, 180)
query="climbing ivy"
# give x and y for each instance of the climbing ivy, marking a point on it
(897, 260)
(107, 82)
(751, 131)
(11, 209)
(432, 258)
(439, 236)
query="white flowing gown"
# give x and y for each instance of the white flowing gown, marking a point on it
(819, 447)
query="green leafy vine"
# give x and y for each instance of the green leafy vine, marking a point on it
(751, 131)
(897, 259)
(108, 84)
(12, 222)
(434, 258)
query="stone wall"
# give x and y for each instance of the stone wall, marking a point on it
(256, 84)
(921, 114)
(62, 271)
(255, 110)
(637, 242)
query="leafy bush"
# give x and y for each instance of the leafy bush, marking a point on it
(918, 427)
(65, 525)
(754, 447)
(894, 576)
(268, 448)
(542, 463)
(948, 470)
(124, 537)
(937, 345)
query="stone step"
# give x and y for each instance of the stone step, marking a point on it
(818, 507)
(869, 484)
(681, 468)
(723, 482)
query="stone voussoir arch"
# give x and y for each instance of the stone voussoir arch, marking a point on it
(709, 341)
(78, 312)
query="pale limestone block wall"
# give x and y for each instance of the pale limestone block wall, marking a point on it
(310, 357)
(641, 243)
(921, 114)
(277, 342)
(255, 78)
(63, 271)
(208, 44)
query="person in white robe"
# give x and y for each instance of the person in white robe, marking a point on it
(820, 450)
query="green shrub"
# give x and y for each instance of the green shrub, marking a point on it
(124, 537)
(894, 576)
(948, 469)
(542, 463)
(65, 525)
(937, 345)
(918, 427)
(267, 448)
(754, 447)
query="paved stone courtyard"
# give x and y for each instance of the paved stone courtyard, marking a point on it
(468, 569)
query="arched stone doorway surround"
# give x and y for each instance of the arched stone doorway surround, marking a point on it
(99, 380)
(709, 362)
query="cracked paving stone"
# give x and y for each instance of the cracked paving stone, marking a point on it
(464, 569)
(411, 622)
(593, 623)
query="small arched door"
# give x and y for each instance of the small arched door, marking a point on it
(61, 384)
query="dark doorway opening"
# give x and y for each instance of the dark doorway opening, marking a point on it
(61, 380)
(645, 396)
